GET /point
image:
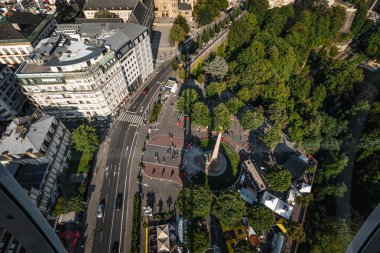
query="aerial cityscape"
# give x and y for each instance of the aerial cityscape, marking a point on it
(189, 126)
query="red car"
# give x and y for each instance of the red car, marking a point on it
(145, 90)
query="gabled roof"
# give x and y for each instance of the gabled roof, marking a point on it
(110, 4)
(19, 139)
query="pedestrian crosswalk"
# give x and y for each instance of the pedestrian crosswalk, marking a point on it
(131, 118)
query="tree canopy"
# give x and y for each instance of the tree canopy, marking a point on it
(271, 137)
(242, 30)
(177, 33)
(278, 178)
(85, 138)
(207, 10)
(251, 120)
(296, 232)
(200, 115)
(244, 246)
(260, 217)
(220, 117)
(217, 68)
(180, 20)
(194, 202)
(229, 208)
(187, 100)
(197, 239)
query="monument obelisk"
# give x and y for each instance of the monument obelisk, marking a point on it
(215, 153)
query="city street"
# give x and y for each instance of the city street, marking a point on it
(116, 171)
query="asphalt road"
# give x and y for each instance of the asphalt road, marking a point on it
(119, 174)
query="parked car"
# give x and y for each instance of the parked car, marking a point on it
(100, 211)
(115, 247)
(119, 201)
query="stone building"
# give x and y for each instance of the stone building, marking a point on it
(20, 33)
(173, 8)
(11, 97)
(89, 75)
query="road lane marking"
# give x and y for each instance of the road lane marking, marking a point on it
(126, 151)
(101, 235)
(130, 160)
(117, 184)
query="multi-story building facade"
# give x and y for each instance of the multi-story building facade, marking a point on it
(173, 8)
(11, 97)
(90, 76)
(132, 11)
(22, 227)
(20, 33)
(35, 152)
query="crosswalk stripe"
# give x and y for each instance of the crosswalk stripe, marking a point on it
(131, 118)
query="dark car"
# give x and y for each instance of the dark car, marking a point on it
(115, 247)
(145, 90)
(119, 201)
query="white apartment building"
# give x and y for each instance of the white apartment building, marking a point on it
(20, 33)
(69, 77)
(35, 152)
(11, 97)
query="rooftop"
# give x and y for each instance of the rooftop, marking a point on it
(255, 172)
(110, 4)
(22, 137)
(62, 50)
(23, 26)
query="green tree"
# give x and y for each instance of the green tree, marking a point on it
(105, 14)
(234, 105)
(300, 85)
(259, 8)
(241, 31)
(271, 137)
(334, 235)
(85, 138)
(251, 120)
(244, 94)
(335, 190)
(260, 217)
(340, 76)
(372, 45)
(194, 202)
(180, 20)
(201, 79)
(217, 27)
(175, 64)
(277, 18)
(212, 31)
(187, 100)
(206, 35)
(296, 232)
(177, 34)
(220, 117)
(244, 246)
(229, 208)
(182, 73)
(217, 68)
(200, 114)
(304, 200)
(278, 178)
(197, 239)
(370, 143)
(200, 41)
(215, 89)
(335, 167)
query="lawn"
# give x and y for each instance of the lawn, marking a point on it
(84, 162)
(231, 174)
